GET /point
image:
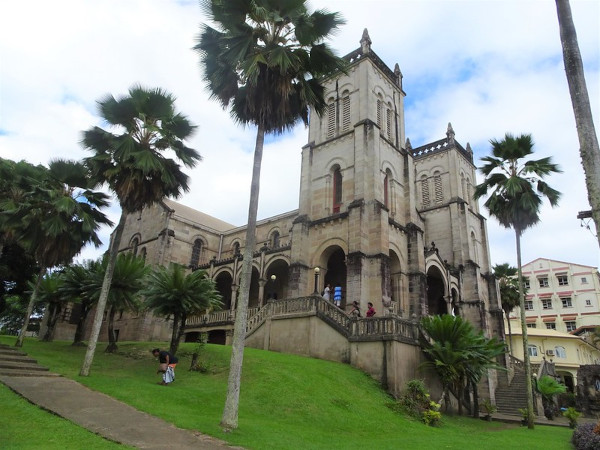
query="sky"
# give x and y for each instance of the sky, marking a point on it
(487, 66)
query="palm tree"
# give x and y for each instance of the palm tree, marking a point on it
(548, 387)
(172, 292)
(517, 189)
(509, 293)
(130, 161)
(49, 294)
(77, 286)
(265, 62)
(129, 278)
(55, 217)
(586, 131)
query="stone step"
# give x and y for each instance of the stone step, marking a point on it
(26, 373)
(21, 365)
(12, 357)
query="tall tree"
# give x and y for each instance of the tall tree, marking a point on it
(517, 189)
(130, 160)
(49, 294)
(55, 218)
(264, 62)
(586, 132)
(509, 293)
(78, 287)
(173, 292)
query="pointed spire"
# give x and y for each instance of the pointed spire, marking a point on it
(365, 42)
(450, 134)
(408, 144)
(469, 148)
(399, 75)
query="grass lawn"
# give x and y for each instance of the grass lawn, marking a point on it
(287, 401)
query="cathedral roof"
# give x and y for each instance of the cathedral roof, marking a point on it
(198, 217)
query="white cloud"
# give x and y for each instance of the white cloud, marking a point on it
(489, 67)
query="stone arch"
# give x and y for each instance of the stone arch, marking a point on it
(436, 291)
(331, 259)
(198, 245)
(224, 283)
(454, 302)
(134, 243)
(396, 283)
(277, 288)
(274, 237)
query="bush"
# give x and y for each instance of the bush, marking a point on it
(432, 416)
(572, 414)
(584, 437)
(415, 402)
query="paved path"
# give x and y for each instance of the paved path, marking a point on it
(97, 412)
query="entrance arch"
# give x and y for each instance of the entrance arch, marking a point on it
(224, 280)
(436, 303)
(333, 260)
(277, 288)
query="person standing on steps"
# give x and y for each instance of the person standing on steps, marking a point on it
(327, 292)
(167, 363)
(337, 295)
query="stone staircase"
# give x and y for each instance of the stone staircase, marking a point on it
(15, 363)
(509, 398)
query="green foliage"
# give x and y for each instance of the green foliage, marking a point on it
(432, 416)
(572, 414)
(488, 407)
(548, 387)
(524, 416)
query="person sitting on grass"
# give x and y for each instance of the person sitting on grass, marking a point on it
(167, 363)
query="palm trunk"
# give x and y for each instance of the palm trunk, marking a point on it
(586, 132)
(175, 334)
(112, 342)
(114, 249)
(530, 423)
(53, 313)
(230, 412)
(80, 330)
(180, 331)
(510, 352)
(30, 306)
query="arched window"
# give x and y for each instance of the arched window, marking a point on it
(134, 246)
(337, 190)
(469, 196)
(560, 351)
(379, 118)
(463, 187)
(275, 239)
(346, 111)
(236, 248)
(196, 252)
(386, 183)
(437, 182)
(425, 191)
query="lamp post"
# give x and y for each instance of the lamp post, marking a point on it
(274, 294)
(317, 270)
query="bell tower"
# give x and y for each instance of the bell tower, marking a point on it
(357, 214)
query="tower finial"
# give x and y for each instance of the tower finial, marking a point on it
(469, 148)
(450, 134)
(399, 75)
(408, 144)
(365, 42)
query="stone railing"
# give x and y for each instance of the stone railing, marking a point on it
(352, 328)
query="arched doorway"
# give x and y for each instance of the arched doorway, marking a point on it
(436, 304)
(336, 270)
(277, 277)
(253, 300)
(224, 281)
(395, 288)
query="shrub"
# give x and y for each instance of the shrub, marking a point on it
(415, 402)
(572, 414)
(432, 416)
(584, 437)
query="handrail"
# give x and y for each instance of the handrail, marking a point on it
(354, 328)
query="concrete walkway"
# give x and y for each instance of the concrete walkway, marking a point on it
(93, 410)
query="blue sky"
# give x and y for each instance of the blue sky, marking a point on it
(487, 66)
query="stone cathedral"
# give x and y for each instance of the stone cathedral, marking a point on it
(392, 224)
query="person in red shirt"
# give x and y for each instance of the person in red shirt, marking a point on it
(370, 310)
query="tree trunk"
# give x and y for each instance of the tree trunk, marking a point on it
(180, 332)
(112, 342)
(114, 249)
(230, 413)
(586, 132)
(510, 352)
(174, 335)
(53, 313)
(30, 306)
(530, 423)
(475, 401)
(80, 330)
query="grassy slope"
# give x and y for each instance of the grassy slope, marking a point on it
(287, 401)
